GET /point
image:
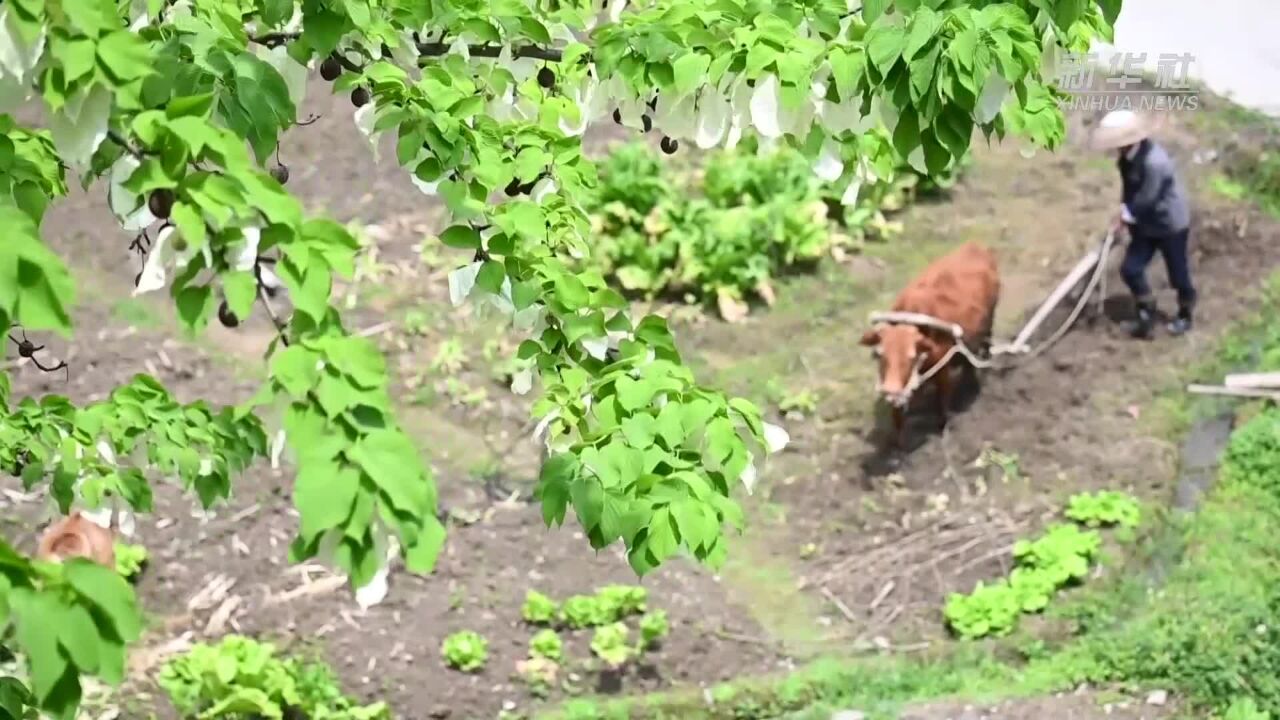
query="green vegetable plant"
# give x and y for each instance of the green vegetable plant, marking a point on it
(609, 643)
(653, 627)
(583, 611)
(174, 110)
(1104, 508)
(538, 609)
(663, 240)
(1042, 567)
(130, 559)
(618, 601)
(538, 673)
(241, 679)
(1245, 708)
(465, 650)
(609, 604)
(546, 643)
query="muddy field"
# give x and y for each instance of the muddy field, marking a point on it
(847, 545)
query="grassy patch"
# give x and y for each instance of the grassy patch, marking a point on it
(135, 312)
(876, 687)
(1210, 632)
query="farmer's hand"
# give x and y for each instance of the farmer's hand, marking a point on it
(1117, 224)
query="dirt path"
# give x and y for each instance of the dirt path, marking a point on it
(887, 541)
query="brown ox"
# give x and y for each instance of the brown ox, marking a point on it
(960, 287)
(76, 536)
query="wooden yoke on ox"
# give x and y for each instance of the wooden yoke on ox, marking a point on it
(77, 536)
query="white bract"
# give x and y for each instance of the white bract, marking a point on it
(522, 381)
(293, 72)
(18, 57)
(748, 476)
(775, 438)
(712, 122)
(427, 188)
(245, 257)
(543, 189)
(162, 256)
(829, 165)
(677, 118)
(81, 126)
(764, 106)
(277, 448)
(462, 281)
(364, 117)
(994, 92)
(584, 97)
(130, 210)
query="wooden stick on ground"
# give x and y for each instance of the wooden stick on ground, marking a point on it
(1233, 392)
(1257, 381)
(844, 609)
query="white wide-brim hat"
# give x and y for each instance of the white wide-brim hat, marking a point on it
(1119, 128)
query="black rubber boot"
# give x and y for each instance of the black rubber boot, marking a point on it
(1146, 316)
(1182, 323)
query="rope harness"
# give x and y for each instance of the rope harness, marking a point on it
(957, 333)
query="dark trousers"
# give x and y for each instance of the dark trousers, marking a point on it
(1143, 247)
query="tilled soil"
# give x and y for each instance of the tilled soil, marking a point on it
(890, 537)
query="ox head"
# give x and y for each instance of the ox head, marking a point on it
(898, 349)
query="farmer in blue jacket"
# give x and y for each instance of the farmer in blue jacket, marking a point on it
(1156, 212)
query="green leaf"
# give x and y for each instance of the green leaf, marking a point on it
(662, 537)
(906, 136)
(588, 501)
(125, 55)
(571, 292)
(89, 16)
(690, 72)
(640, 429)
(1110, 10)
(360, 358)
(36, 614)
(35, 287)
(294, 367)
(190, 105)
(668, 427)
(195, 304)
(190, 225)
(392, 462)
(79, 635)
(884, 46)
(421, 556)
(872, 9)
(925, 24)
(936, 157)
(323, 493)
(105, 588)
(558, 474)
(77, 57)
(240, 289)
(634, 394)
(490, 277)
(463, 237)
(848, 70)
